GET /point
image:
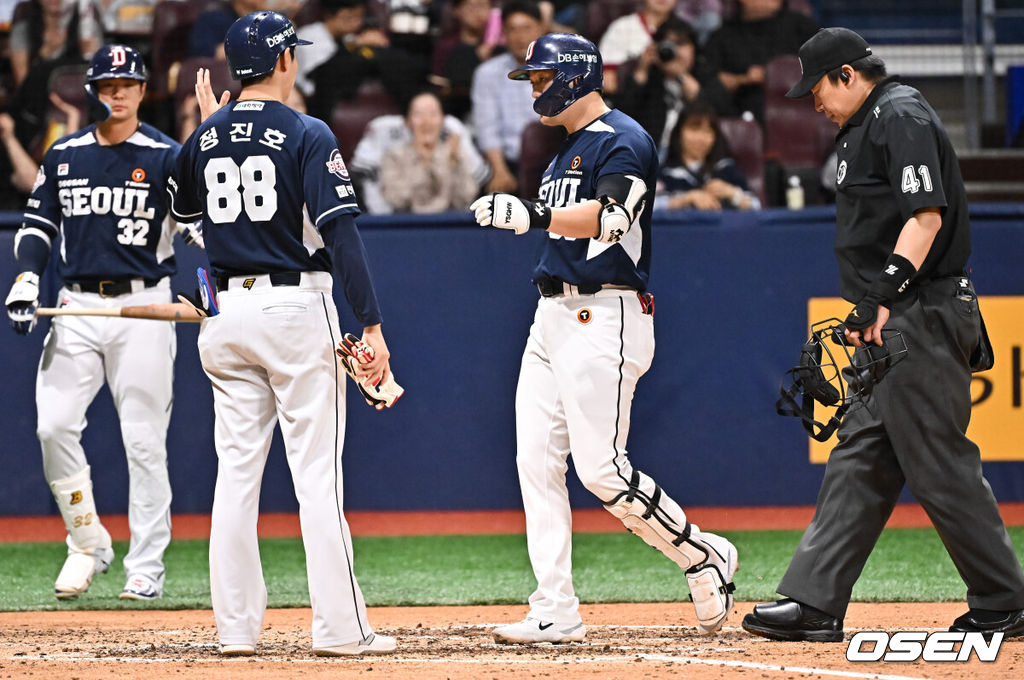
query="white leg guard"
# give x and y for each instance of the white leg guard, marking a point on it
(89, 544)
(708, 560)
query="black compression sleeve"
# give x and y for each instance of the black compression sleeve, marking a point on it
(349, 258)
(33, 254)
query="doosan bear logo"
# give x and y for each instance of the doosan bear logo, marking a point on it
(336, 165)
(576, 57)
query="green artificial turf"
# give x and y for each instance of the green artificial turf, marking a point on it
(907, 565)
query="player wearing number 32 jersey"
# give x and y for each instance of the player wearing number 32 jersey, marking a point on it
(251, 171)
(100, 201)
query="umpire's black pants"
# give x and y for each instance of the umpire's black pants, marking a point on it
(912, 431)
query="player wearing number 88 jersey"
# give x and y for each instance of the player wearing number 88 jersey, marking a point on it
(252, 170)
(100, 193)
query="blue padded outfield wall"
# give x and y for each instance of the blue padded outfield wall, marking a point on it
(732, 295)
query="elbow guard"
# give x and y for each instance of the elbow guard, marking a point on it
(613, 221)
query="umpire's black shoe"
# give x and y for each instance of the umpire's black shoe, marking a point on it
(987, 621)
(791, 620)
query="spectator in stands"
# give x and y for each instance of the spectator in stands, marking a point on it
(431, 173)
(704, 15)
(50, 33)
(351, 50)
(458, 53)
(699, 172)
(503, 107)
(386, 133)
(17, 168)
(739, 50)
(207, 36)
(412, 25)
(628, 36)
(662, 81)
(47, 35)
(563, 16)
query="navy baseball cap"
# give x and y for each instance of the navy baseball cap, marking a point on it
(827, 49)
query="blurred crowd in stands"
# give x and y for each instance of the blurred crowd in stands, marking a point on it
(417, 94)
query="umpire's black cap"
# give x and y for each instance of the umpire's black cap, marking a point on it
(827, 49)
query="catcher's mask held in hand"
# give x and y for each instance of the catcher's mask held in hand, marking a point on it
(819, 378)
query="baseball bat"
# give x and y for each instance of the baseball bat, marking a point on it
(171, 311)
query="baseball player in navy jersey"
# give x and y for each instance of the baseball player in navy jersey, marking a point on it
(250, 170)
(591, 340)
(102, 191)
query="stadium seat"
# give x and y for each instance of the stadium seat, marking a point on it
(794, 133)
(539, 145)
(349, 118)
(746, 145)
(600, 13)
(172, 23)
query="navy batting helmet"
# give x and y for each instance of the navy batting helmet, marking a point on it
(578, 66)
(254, 42)
(111, 61)
(116, 61)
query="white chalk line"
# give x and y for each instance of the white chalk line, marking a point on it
(660, 658)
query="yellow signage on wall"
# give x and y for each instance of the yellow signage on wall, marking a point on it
(997, 420)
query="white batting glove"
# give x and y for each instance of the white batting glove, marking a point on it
(506, 211)
(192, 234)
(352, 351)
(22, 302)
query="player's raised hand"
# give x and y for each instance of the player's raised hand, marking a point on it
(208, 103)
(506, 211)
(22, 302)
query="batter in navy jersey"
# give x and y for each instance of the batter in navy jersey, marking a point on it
(591, 340)
(100, 193)
(251, 171)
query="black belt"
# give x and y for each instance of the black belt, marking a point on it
(276, 279)
(108, 288)
(550, 287)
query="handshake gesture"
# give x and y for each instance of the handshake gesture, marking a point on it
(384, 393)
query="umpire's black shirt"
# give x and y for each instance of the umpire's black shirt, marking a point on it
(894, 159)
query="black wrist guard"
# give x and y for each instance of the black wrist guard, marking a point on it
(887, 288)
(540, 214)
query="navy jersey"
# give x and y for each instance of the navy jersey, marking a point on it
(614, 144)
(248, 171)
(107, 203)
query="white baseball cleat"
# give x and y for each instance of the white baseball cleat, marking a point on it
(140, 587)
(711, 585)
(75, 576)
(374, 644)
(237, 650)
(531, 630)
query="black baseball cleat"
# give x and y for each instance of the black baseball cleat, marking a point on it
(793, 621)
(988, 621)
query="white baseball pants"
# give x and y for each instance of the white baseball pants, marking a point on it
(270, 357)
(579, 372)
(136, 359)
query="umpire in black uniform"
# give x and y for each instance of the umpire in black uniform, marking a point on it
(902, 242)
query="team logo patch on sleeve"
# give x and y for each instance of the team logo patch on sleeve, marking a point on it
(336, 165)
(138, 175)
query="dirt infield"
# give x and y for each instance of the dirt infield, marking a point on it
(641, 641)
